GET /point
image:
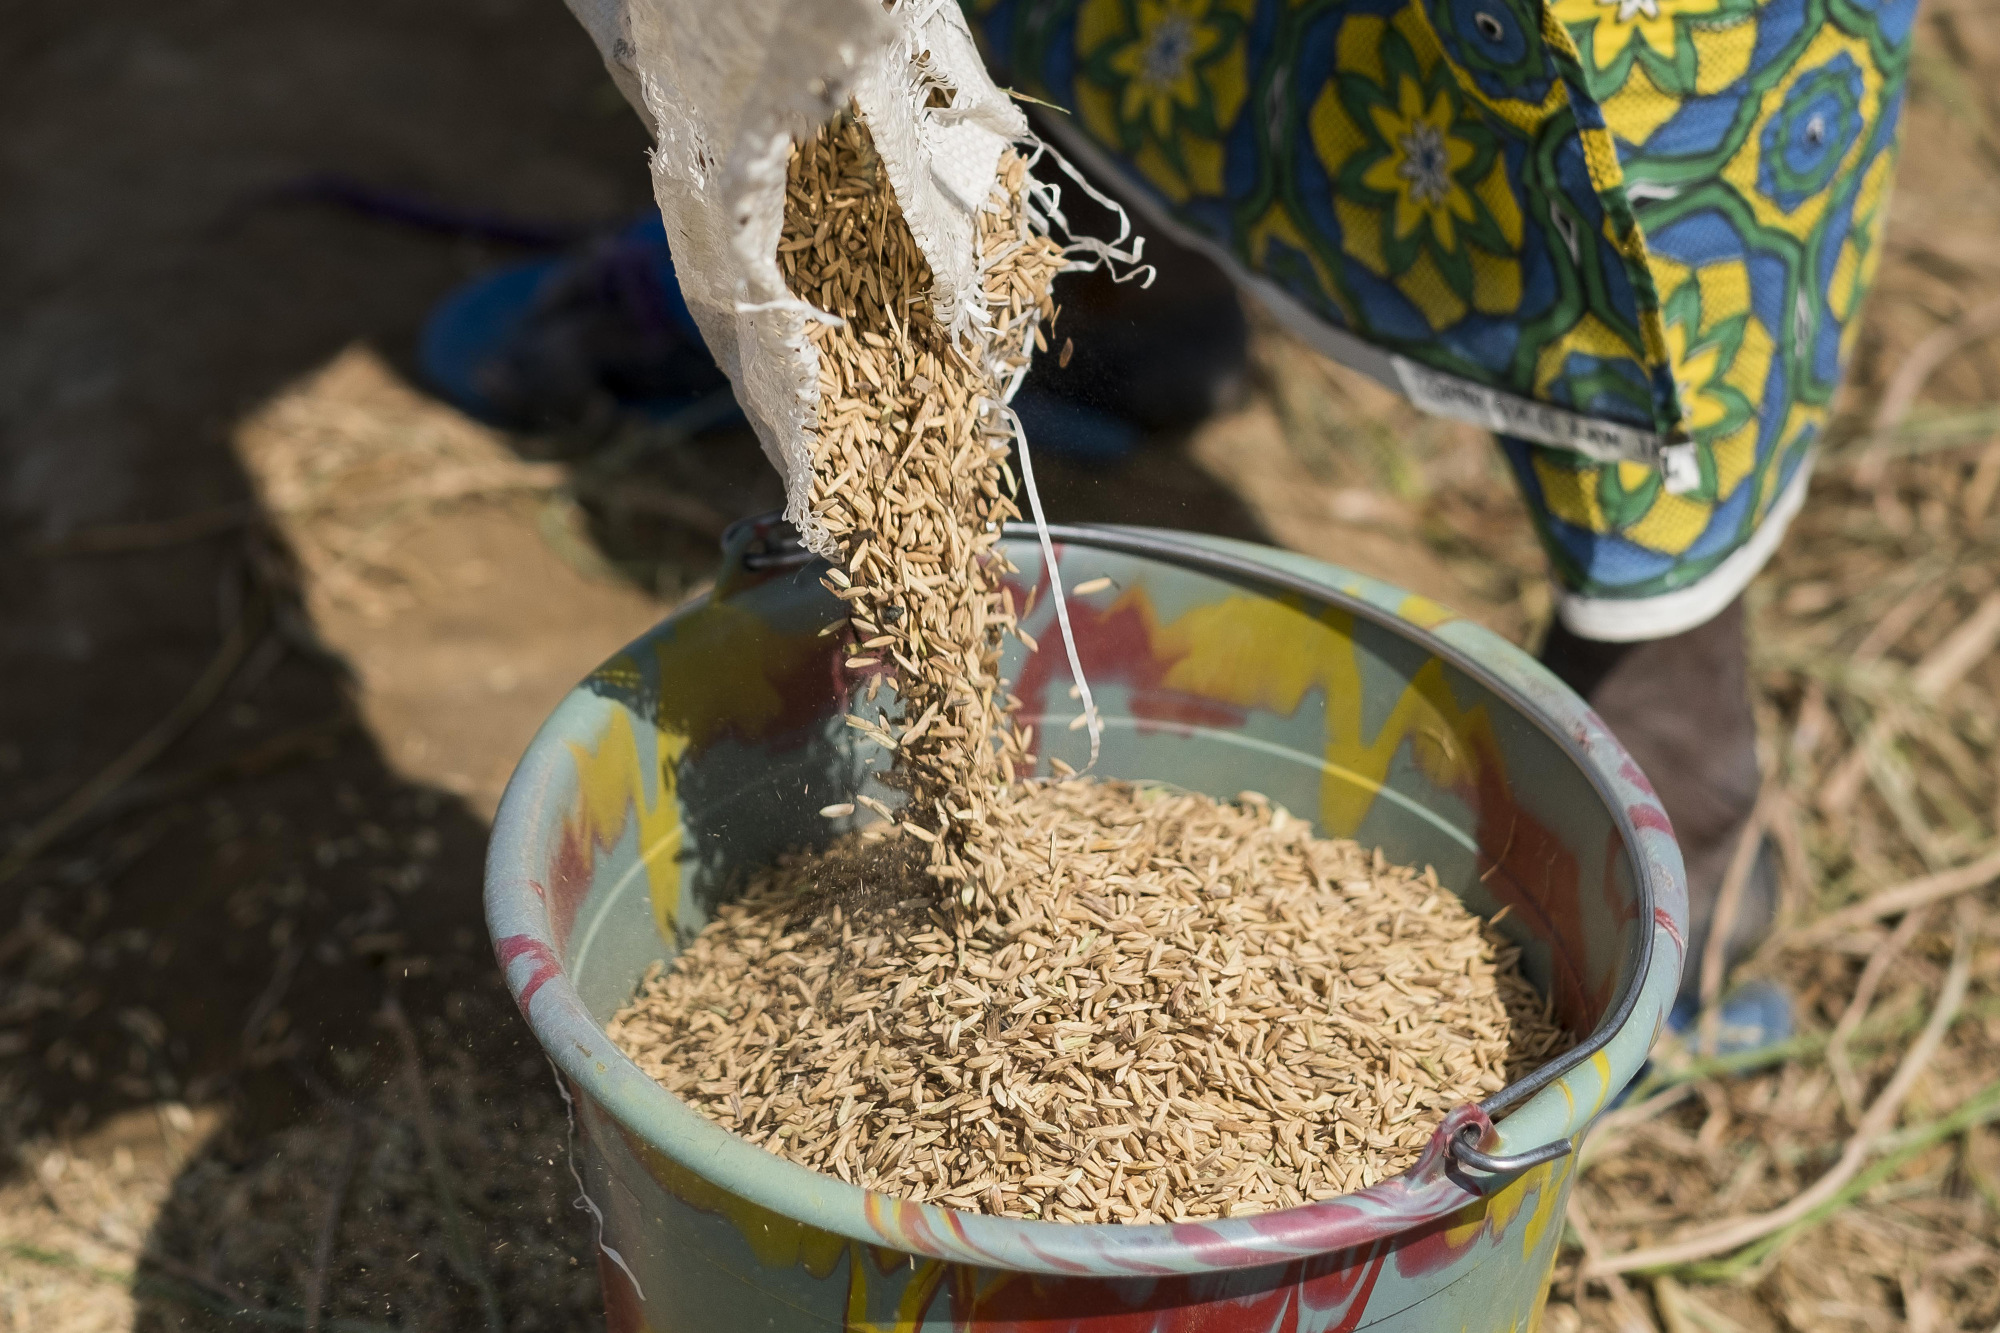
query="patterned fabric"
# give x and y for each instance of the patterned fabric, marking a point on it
(1757, 143)
(1655, 216)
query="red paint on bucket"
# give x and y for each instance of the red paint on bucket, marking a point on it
(547, 967)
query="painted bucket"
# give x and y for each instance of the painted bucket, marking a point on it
(711, 743)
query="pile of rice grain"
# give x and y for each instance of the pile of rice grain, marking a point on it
(1131, 1005)
(1178, 1009)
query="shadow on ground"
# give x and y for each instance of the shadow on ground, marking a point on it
(250, 993)
(256, 1067)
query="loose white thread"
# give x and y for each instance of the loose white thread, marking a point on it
(1042, 202)
(1091, 718)
(1085, 253)
(583, 1199)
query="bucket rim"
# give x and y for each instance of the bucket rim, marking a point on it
(784, 1192)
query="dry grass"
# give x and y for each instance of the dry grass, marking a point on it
(1876, 629)
(1873, 580)
(428, 1203)
(1873, 639)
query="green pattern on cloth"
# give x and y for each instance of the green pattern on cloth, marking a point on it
(1657, 216)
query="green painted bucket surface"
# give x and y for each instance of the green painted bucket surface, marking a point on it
(710, 745)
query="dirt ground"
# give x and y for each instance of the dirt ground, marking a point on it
(275, 624)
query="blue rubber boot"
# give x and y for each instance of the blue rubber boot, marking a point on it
(556, 341)
(1755, 1015)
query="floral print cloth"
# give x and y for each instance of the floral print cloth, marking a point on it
(1630, 235)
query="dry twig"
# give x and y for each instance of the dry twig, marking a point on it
(1941, 668)
(1923, 360)
(1632, 1316)
(329, 1227)
(1721, 1239)
(150, 534)
(459, 1250)
(207, 688)
(1977, 497)
(1728, 903)
(1898, 899)
(1864, 995)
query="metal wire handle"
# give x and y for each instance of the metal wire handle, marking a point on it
(775, 545)
(1465, 1152)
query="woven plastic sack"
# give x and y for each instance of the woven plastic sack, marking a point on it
(728, 86)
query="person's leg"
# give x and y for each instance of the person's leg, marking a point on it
(561, 340)
(1681, 705)
(1650, 631)
(1129, 358)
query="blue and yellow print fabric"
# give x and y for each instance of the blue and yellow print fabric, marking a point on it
(1658, 213)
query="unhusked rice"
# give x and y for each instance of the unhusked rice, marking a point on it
(1176, 1009)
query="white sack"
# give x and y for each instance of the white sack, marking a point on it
(728, 86)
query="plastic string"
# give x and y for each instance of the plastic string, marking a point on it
(1085, 254)
(1091, 718)
(1046, 199)
(583, 1199)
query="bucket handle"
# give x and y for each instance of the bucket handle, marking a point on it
(1464, 1149)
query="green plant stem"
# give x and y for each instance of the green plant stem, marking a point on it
(1870, 1036)
(1979, 1109)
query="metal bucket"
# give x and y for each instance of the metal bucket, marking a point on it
(710, 744)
